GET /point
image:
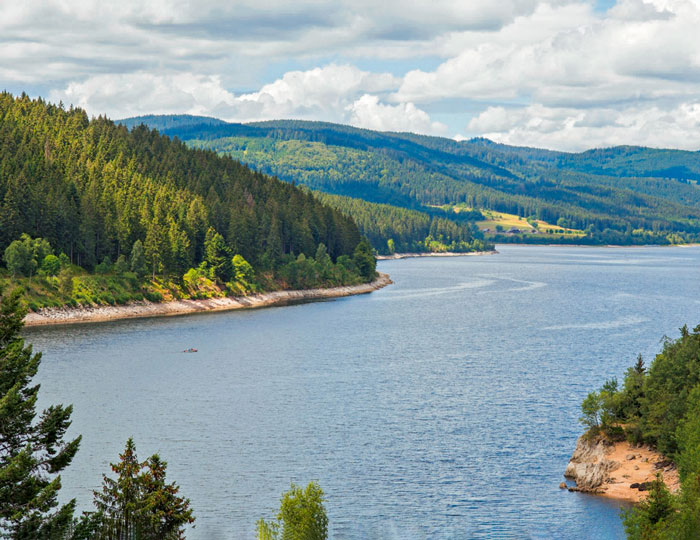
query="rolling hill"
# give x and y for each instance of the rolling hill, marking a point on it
(623, 195)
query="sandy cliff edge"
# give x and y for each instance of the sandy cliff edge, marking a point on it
(72, 315)
(612, 469)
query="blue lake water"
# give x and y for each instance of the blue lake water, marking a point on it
(444, 406)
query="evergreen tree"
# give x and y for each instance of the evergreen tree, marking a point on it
(164, 512)
(138, 504)
(138, 259)
(32, 450)
(648, 520)
(365, 261)
(217, 255)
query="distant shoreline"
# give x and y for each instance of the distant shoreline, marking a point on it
(397, 256)
(144, 309)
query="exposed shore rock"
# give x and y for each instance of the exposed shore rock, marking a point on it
(434, 254)
(589, 466)
(179, 307)
(617, 469)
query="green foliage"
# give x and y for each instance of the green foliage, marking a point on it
(217, 256)
(121, 265)
(649, 519)
(32, 449)
(302, 516)
(51, 265)
(138, 259)
(660, 406)
(364, 260)
(105, 267)
(617, 195)
(64, 260)
(24, 256)
(138, 503)
(390, 228)
(94, 189)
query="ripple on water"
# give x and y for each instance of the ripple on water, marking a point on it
(425, 410)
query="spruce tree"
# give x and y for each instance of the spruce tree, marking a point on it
(138, 504)
(32, 450)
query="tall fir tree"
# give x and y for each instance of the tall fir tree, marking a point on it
(32, 450)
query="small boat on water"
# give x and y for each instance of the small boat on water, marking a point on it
(190, 350)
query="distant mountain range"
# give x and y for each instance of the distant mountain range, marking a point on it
(625, 194)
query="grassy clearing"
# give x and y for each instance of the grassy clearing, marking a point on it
(502, 222)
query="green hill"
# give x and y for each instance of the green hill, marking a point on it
(93, 190)
(619, 195)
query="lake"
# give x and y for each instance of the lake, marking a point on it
(444, 406)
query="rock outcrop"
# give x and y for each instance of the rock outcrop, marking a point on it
(618, 469)
(590, 466)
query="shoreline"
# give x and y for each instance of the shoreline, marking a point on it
(145, 309)
(397, 256)
(619, 471)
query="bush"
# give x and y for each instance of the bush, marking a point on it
(51, 265)
(153, 296)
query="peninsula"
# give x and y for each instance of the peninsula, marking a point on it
(643, 441)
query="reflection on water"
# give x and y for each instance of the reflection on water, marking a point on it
(444, 406)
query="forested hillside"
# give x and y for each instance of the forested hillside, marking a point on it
(618, 195)
(391, 229)
(98, 193)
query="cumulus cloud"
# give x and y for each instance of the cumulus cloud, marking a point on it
(145, 93)
(338, 93)
(555, 73)
(319, 90)
(576, 129)
(369, 113)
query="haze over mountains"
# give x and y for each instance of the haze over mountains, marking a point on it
(624, 194)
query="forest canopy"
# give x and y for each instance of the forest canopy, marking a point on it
(93, 190)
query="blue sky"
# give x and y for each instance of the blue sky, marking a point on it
(564, 74)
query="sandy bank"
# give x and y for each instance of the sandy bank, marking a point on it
(611, 469)
(433, 254)
(180, 307)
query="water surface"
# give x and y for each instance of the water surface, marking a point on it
(444, 406)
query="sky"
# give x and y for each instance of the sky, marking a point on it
(561, 74)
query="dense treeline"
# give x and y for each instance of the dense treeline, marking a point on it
(659, 406)
(391, 229)
(609, 193)
(92, 189)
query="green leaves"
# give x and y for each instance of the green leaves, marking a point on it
(32, 452)
(302, 516)
(138, 503)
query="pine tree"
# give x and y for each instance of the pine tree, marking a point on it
(138, 260)
(120, 499)
(164, 512)
(138, 504)
(32, 451)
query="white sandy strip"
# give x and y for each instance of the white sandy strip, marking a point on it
(71, 315)
(434, 254)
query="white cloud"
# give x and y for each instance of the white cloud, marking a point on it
(143, 93)
(576, 129)
(326, 90)
(338, 93)
(556, 70)
(367, 112)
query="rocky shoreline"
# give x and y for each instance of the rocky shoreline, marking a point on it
(72, 315)
(618, 470)
(396, 256)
